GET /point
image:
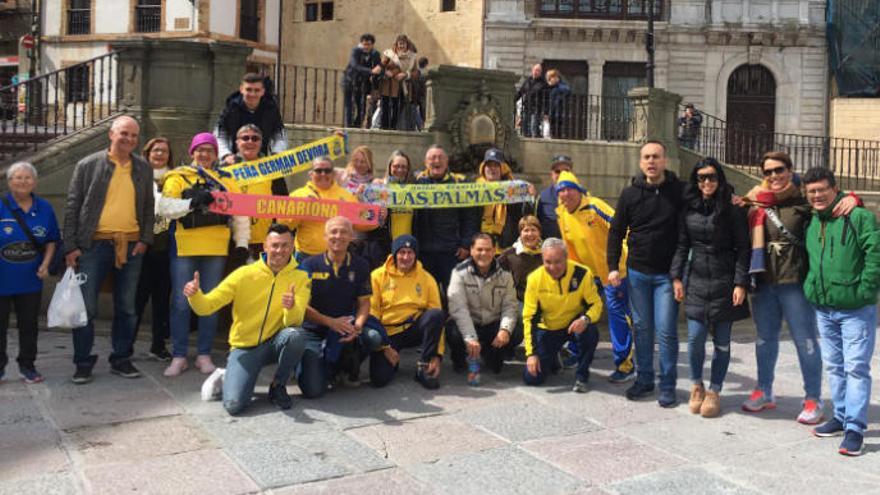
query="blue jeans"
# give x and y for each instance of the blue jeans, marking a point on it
(244, 364)
(547, 346)
(97, 263)
(697, 333)
(654, 313)
(770, 303)
(848, 337)
(210, 270)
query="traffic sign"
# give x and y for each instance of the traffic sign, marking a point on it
(27, 41)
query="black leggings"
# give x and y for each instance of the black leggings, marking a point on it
(27, 307)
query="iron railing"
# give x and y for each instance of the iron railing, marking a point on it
(581, 117)
(310, 95)
(58, 103)
(148, 17)
(856, 162)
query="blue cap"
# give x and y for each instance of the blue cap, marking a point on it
(493, 155)
(404, 241)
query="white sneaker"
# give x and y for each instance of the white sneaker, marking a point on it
(212, 389)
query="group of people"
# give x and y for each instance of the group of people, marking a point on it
(320, 297)
(543, 105)
(384, 90)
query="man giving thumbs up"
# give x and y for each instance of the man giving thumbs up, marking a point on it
(269, 300)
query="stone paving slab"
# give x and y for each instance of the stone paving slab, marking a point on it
(682, 480)
(308, 458)
(478, 473)
(521, 421)
(137, 441)
(601, 457)
(196, 473)
(424, 439)
(385, 482)
(43, 484)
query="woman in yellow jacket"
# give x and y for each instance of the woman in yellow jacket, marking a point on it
(199, 242)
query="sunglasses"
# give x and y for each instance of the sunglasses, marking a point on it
(323, 170)
(250, 138)
(707, 177)
(774, 171)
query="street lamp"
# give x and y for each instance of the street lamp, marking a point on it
(649, 44)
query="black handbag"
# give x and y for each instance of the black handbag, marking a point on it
(57, 264)
(201, 216)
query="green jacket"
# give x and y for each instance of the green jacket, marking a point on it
(844, 255)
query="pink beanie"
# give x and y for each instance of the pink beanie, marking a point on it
(203, 138)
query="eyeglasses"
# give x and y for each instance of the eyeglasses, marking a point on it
(707, 177)
(250, 138)
(774, 171)
(159, 150)
(323, 170)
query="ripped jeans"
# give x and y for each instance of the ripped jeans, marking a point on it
(770, 304)
(697, 333)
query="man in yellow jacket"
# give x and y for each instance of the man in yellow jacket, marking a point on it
(584, 222)
(406, 300)
(561, 303)
(269, 300)
(322, 185)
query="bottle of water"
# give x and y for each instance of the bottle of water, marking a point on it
(473, 377)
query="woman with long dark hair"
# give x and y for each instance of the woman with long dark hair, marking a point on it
(710, 273)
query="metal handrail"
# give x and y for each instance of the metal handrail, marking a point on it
(57, 103)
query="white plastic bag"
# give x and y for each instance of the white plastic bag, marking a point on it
(68, 308)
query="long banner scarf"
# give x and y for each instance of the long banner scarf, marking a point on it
(760, 198)
(288, 162)
(285, 207)
(462, 194)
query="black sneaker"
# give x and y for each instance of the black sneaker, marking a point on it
(124, 369)
(851, 444)
(278, 396)
(160, 354)
(830, 428)
(429, 382)
(639, 390)
(83, 375)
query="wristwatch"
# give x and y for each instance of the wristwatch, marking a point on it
(586, 319)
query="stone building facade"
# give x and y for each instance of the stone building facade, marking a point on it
(760, 63)
(77, 30)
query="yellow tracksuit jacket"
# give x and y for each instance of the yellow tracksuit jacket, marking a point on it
(585, 232)
(552, 304)
(255, 293)
(399, 298)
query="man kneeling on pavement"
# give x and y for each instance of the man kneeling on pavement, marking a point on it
(561, 302)
(406, 300)
(269, 300)
(483, 305)
(339, 312)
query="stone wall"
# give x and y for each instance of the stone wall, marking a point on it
(855, 118)
(444, 37)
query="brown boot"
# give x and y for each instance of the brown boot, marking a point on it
(711, 407)
(698, 393)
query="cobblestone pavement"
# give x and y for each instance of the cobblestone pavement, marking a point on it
(155, 435)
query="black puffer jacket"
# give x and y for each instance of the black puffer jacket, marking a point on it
(444, 230)
(712, 255)
(650, 214)
(235, 114)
